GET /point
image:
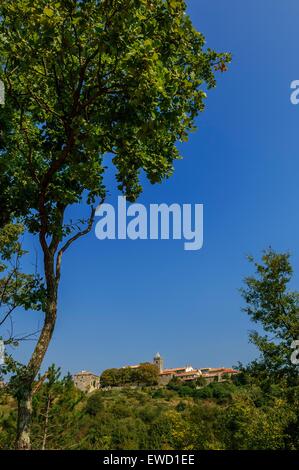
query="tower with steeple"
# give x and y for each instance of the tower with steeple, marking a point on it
(158, 361)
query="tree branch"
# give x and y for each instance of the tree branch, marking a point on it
(39, 383)
(74, 238)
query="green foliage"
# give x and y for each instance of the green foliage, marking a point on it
(145, 374)
(271, 304)
(54, 411)
(221, 392)
(250, 427)
(85, 79)
(258, 409)
(255, 416)
(94, 404)
(18, 290)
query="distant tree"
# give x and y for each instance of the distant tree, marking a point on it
(54, 411)
(125, 375)
(51, 383)
(110, 378)
(84, 81)
(273, 306)
(146, 374)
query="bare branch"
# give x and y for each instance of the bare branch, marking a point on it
(74, 238)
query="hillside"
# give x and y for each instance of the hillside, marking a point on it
(218, 416)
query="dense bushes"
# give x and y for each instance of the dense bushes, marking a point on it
(220, 391)
(218, 416)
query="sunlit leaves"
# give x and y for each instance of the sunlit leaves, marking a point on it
(122, 77)
(271, 304)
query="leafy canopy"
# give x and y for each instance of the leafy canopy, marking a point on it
(88, 78)
(271, 304)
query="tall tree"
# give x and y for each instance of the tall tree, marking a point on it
(275, 308)
(87, 80)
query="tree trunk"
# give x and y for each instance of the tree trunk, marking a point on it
(25, 400)
(52, 272)
(24, 421)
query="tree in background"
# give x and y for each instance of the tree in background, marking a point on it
(274, 307)
(49, 389)
(145, 374)
(84, 81)
(110, 378)
(54, 410)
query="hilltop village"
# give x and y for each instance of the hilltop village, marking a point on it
(88, 382)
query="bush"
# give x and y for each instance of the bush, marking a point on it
(94, 404)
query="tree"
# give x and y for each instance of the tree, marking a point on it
(146, 374)
(51, 384)
(272, 305)
(54, 417)
(86, 81)
(110, 378)
(246, 426)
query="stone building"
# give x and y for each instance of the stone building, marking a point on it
(86, 381)
(183, 373)
(220, 374)
(186, 373)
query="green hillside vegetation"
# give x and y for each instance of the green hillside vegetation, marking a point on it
(245, 414)
(257, 409)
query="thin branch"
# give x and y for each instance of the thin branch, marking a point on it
(74, 238)
(39, 383)
(10, 311)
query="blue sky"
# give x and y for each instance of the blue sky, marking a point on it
(122, 301)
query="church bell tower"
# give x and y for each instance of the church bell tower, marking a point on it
(158, 361)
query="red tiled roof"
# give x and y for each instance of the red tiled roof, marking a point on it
(222, 371)
(84, 372)
(172, 371)
(191, 372)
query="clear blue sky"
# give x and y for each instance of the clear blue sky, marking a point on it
(121, 301)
